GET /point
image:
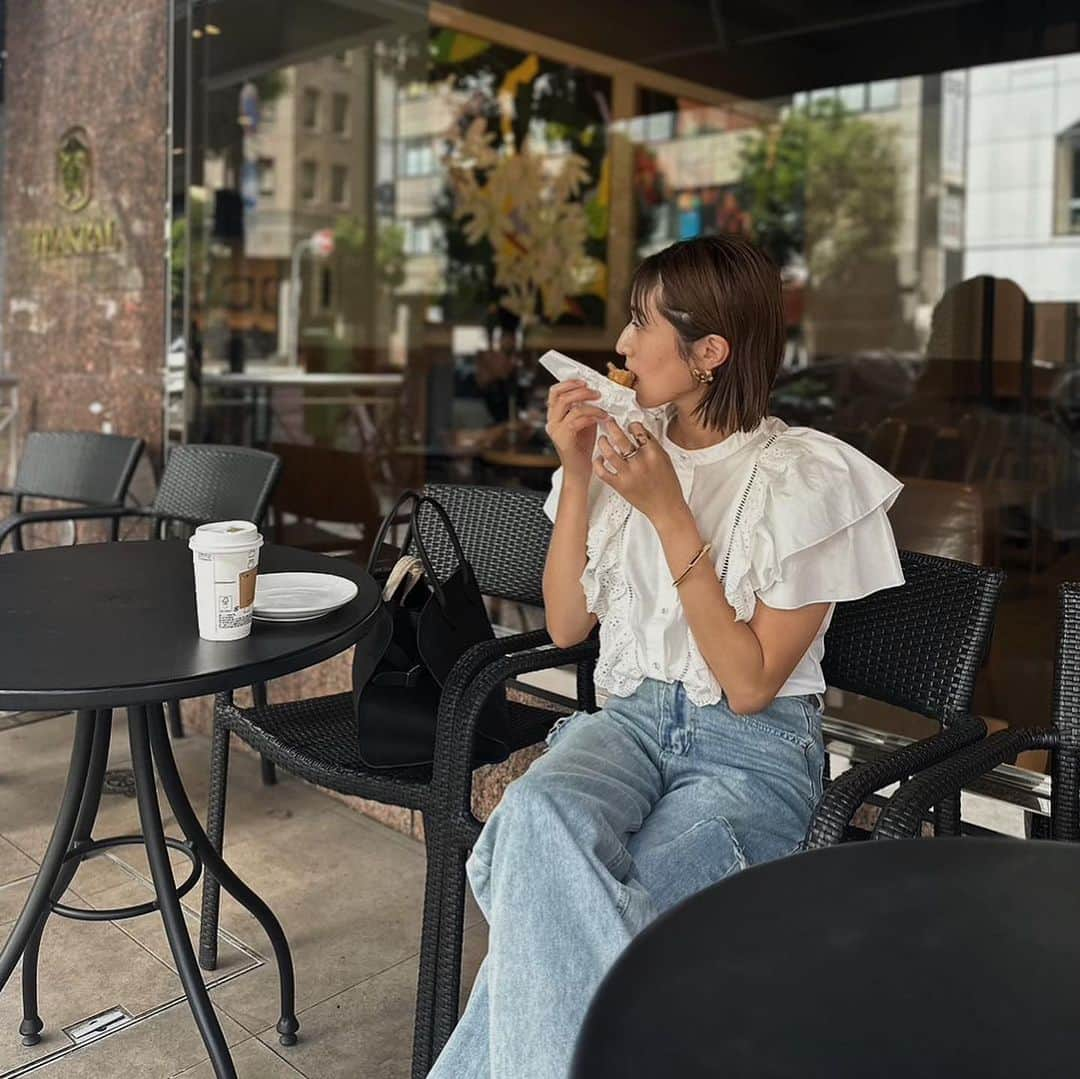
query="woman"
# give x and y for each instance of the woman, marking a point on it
(711, 556)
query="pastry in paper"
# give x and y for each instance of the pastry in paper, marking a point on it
(619, 402)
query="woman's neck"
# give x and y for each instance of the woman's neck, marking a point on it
(688, 434)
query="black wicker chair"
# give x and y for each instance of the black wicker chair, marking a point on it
(505, 536)
(903, 815)
(200, 483)
(919, 646)
(81, 467)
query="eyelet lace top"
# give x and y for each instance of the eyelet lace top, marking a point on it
(794, 517)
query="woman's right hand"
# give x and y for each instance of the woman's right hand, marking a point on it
(571, 425)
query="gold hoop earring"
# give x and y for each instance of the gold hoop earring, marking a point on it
(703, 377)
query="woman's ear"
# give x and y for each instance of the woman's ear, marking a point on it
(712, 351)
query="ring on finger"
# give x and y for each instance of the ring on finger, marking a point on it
(627, 456)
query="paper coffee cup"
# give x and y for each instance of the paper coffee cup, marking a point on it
(226, 558)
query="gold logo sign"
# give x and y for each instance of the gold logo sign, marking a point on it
(74, 170)
(89, 235)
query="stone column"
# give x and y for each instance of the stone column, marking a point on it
(84, 209)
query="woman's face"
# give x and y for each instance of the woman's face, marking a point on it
(651, 349)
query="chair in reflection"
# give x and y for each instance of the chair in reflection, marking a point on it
(324, 501)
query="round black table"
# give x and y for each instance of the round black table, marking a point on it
(945, 957)
(99, 626)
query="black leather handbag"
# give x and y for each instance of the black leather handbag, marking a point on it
(423, 627)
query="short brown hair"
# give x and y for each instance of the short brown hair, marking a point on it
(727, 286)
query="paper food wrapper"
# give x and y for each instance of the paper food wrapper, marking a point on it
(619, 402)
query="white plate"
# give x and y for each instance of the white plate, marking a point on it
(299, 597)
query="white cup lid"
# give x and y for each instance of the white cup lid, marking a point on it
(222, 536)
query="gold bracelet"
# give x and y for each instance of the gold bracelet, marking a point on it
(693, 562)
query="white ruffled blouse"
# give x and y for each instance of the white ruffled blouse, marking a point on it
(812, 529)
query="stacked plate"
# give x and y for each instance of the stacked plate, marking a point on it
(300, 597)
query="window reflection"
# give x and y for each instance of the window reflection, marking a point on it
(487, 192)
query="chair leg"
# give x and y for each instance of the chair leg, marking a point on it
(215, 832)
(424, 1015)
(1064, 815)
(267, 768)
(947, 817)
(447, 989)
(176, 722)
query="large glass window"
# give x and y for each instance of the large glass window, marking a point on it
(437, 200)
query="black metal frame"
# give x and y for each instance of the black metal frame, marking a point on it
(902, 817)
(72, 841)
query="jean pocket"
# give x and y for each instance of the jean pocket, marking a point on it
(792, 724)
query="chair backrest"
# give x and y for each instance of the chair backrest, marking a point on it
(77, 466)
(1067, 667)
(203, 483)
(918, 646)
(504, 535)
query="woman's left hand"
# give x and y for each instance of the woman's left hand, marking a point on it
(647, 479)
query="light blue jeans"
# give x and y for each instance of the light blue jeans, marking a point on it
(630, 810)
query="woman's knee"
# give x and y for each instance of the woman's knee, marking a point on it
(547, 812)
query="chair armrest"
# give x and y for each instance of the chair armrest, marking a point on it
(902, 817)
(463, 699)
(17, 521)
(845, 794)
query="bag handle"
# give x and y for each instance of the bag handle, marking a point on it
(413, 535)
(387, 522)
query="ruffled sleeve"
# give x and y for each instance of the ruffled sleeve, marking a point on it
(814, 527)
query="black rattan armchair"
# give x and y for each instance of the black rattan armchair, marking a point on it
(920, 647)
(505, 536)
(903, 815)
(200, 483)
(81, 467)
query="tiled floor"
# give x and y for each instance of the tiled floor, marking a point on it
(347, 890)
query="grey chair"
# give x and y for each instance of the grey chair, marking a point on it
(200, 483)
(81, 467)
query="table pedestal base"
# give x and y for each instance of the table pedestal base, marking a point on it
(72, 841)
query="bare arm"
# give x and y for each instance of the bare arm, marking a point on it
(568, 620)
(572, 421)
